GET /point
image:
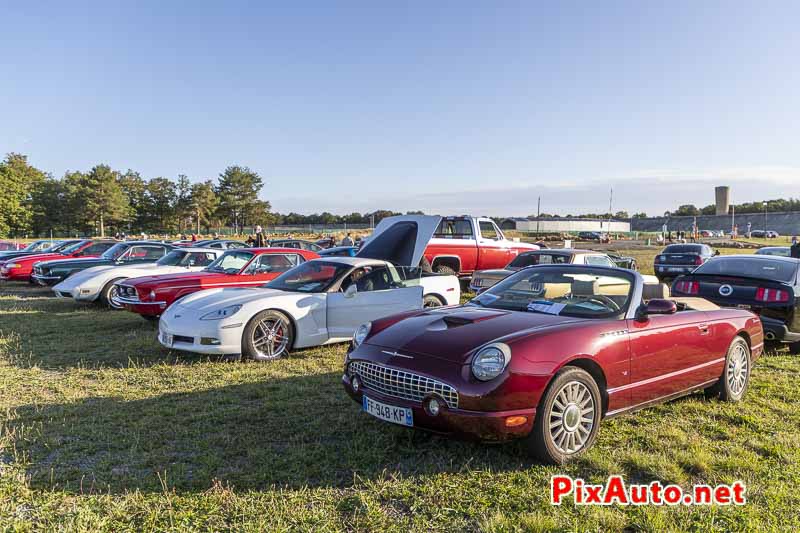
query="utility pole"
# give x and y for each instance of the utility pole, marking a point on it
(538, 213)
(765, 220)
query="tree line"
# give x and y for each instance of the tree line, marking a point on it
(104, 201)
(780, 205)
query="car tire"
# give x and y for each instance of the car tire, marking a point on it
(444, 269)
(259, 328)
(735, 378)
(431, 300)
(106, 294)
(562, 431)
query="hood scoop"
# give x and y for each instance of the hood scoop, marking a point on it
(463, 318)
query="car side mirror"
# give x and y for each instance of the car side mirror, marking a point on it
(657, 306)
(350, 291)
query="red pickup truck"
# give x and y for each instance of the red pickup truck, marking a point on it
(461, 245)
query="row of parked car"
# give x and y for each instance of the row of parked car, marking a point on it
(551, 345)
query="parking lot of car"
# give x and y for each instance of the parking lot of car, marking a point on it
(98, 410)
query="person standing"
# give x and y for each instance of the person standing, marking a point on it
(260, 239)
(794, 251)
(347, 241)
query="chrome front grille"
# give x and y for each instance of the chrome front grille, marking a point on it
(402, 384)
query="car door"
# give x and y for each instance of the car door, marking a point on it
(493, 252)
(367, 294)
(669, 354)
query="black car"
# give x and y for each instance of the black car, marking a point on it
(679, 259)
(623, 261)
(767, 285)
(128, 252)
(298, 244)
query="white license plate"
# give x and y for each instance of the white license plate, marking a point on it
(166, 338)
(674, 269)
(389, 413)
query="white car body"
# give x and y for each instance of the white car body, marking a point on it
(86, 286)
(317, 317)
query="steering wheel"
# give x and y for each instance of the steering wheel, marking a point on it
(605, 300)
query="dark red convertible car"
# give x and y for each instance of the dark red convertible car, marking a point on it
(546, 354)
(247, 267)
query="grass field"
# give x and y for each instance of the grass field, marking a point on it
(104, 429)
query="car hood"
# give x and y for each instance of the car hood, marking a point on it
(213, 299)
(73, 262)
(178, 278)
(454, 333)
(99, 275)
(400, 240)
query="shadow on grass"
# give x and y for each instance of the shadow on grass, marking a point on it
(38, 329)
(302, 431)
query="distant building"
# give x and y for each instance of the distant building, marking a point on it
(565, 225)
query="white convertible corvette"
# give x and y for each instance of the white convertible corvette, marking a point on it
(318, 302)
(98, 283)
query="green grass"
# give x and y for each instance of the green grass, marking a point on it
(104, 429)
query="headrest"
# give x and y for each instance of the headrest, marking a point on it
(584, 288)
(655, 290)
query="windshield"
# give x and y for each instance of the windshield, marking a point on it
(313, 276)
(187, 259)
(751, 267)
(565, 291)
(38, 246)
(526, 260)
(782, 251)
(59, 246)
(683, 249)
(230, 262)
(115, 251)
(71, 248)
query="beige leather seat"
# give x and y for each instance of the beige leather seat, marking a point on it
(652, 291)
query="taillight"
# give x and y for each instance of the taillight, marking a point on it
(772, 295)
(688, 287)
(698, 260)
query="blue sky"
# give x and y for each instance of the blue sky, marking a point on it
(449, 107)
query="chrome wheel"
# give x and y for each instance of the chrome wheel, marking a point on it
(572, 417)
(270, 338)
(430, 302)
(738, 368)
(113, 293)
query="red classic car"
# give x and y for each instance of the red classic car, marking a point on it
(247, 267)
(20, 268)
(546, 354)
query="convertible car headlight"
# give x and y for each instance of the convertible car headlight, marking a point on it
(12, 265)
(219, 314)
(490, 361)
(361, 334)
